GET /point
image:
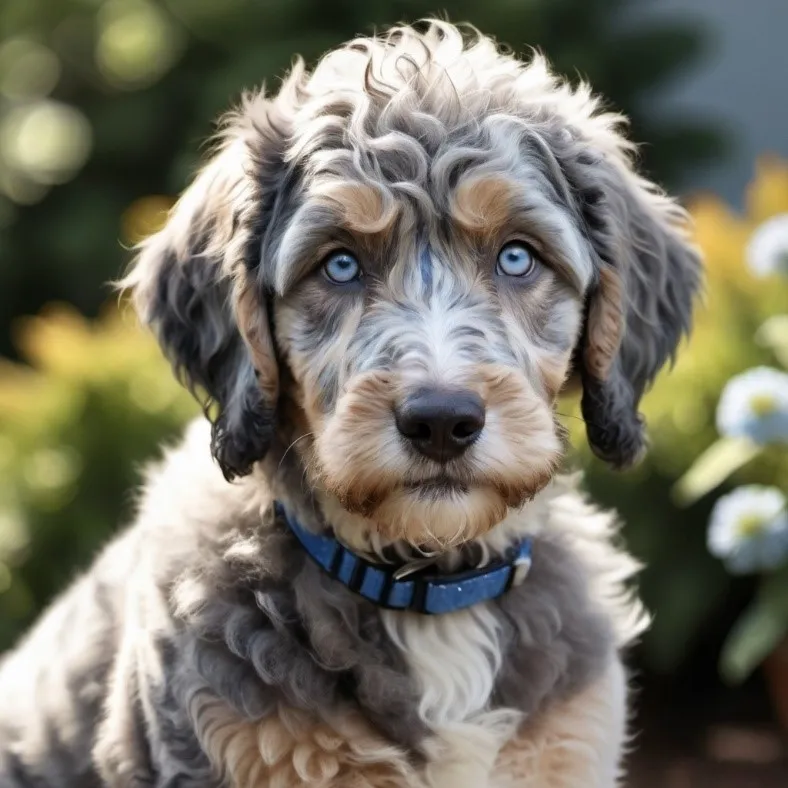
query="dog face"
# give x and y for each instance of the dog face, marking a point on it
(412, 247)
(428, 338)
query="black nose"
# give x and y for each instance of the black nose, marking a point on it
(441, 424)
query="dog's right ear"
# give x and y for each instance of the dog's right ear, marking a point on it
(649, 275)
(195, 284)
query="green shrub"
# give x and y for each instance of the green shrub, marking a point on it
(74, 427)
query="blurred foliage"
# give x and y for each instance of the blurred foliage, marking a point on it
(95, 400)
(682, 582)
(103, 103)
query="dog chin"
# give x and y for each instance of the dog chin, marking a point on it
(438, 516)
(434, 513)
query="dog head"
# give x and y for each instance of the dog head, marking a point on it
(414, 245)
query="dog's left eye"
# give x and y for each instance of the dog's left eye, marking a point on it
(516, 259)
(342, 267)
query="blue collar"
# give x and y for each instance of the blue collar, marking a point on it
(421, 592)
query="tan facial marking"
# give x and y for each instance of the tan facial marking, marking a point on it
(483, 205)
(553, 370)
(356, 437)
(528, 464)
(364, 209)
(605, 324)
(253, 324)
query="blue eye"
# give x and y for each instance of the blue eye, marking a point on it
(342, 267)
(516, 259)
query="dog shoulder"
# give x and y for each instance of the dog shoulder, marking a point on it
(186, 502)
(592, 535)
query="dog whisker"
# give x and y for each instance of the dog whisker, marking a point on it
(577, 418)
(299, 438)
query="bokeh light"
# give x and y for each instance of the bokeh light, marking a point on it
(137, 43)
(44, 142)
(27, 69)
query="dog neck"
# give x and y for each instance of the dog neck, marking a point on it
(320, 512)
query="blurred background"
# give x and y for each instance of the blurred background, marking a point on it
(104, 107)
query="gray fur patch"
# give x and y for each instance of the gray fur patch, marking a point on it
(276, 627)
(425, 265)
(555, 640)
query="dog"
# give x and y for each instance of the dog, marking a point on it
(364, 569)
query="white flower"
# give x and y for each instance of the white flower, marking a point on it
(767, 251)
(755, 405)
(748, 529)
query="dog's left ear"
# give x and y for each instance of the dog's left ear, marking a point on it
(195, 284)
(640, 306)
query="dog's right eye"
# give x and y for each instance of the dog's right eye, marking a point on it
(342, 267)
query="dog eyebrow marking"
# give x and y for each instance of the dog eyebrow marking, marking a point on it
(425, 266)
(363, 209)
(483, 204)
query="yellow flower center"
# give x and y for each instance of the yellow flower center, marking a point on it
(750, 525)
(763, 404)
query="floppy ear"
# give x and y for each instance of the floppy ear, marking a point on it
(194, 283)
(640, 305)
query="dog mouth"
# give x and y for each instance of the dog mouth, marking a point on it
(437, 486)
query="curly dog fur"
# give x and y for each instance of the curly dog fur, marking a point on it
(204, 648)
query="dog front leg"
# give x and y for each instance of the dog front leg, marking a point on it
(577, 744)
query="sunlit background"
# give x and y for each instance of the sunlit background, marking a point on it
(104, 106)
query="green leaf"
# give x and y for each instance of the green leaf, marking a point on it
(715, 465)
(750, 641)
(762, 626)
(774, 335)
